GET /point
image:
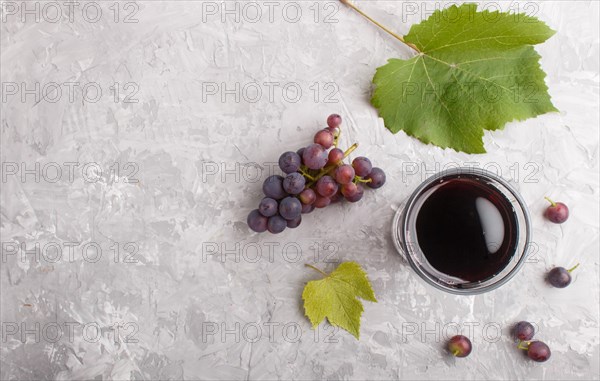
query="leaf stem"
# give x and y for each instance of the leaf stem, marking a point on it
(316, 269)
(396, 36)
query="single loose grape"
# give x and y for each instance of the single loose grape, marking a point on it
(460, 346)
(560, 277)
(557, 212)
(538, 351)
(523, 331)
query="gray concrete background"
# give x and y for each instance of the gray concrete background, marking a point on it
(154, 113)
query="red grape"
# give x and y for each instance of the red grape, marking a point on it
(256, 221)
(324, 138)
(289, 162)
(334, 120)
(358, 194)
(308, 196)
(362, 166)
(295, 222)
(335, 156)
(344, 174)
(273, 187)
(557, 212)
(294, 183)
(538, 351)
(314, 156)
(460, 346)
(326, 186)
(524, 331)
(377, 177)
(290, 208)
(321, 202)
(349, 190)
(560, 277)
(268, 207)
(337, 197)
(276, 224)
(307, 208)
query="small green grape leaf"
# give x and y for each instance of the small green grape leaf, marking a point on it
(475, 71)
(335, 297)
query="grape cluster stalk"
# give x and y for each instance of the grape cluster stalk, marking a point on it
(315, 176)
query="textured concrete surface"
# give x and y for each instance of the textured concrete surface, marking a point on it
(152, 126)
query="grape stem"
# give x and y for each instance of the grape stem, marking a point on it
(522, 347)
(573, 268)
(316, 269)
(329, 168)
(456, 352)
(305, 174)
(350, 150)
(358, 179)
(336, 138)
(396, 36)
(550, 201)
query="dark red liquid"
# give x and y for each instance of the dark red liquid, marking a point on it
(467, 229)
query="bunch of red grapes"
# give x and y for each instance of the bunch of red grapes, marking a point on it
(315, 176)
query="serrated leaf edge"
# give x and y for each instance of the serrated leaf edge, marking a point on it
(357, 298)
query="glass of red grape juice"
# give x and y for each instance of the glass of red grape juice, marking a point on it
(464, 231)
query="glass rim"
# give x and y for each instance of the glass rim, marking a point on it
(400, 232)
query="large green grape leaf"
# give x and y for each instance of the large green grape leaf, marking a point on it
(475, 71)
